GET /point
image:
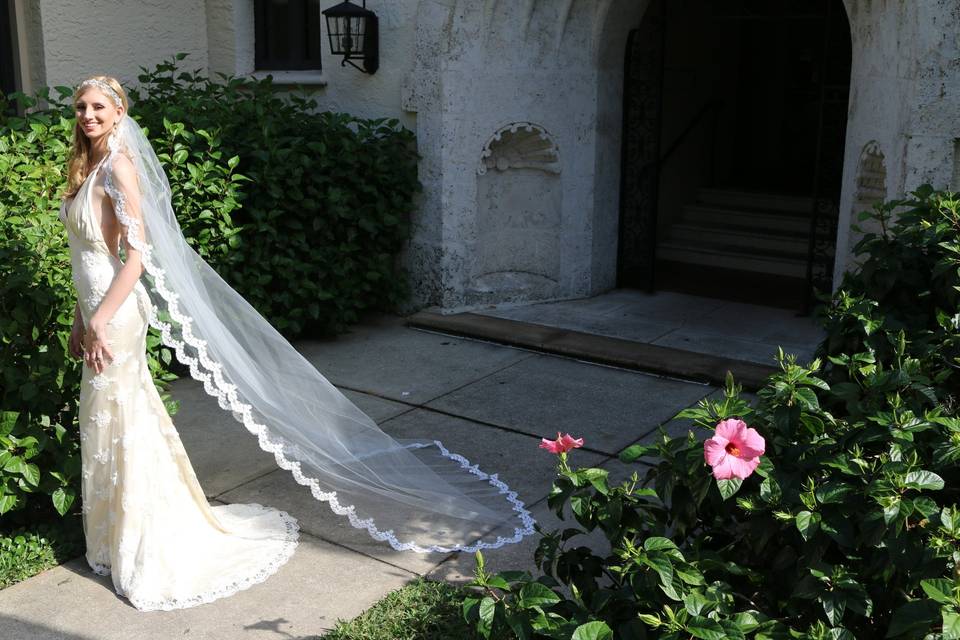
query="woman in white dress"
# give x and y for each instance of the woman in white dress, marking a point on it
(145, 517)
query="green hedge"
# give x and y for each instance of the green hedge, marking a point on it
(326, 208)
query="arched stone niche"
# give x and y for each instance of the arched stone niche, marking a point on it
(870, 188)
(519, 203)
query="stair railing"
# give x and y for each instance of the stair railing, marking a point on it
(712, 108)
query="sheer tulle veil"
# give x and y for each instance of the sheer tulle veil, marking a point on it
(415, 495)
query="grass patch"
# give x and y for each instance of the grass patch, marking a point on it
(26, 551)
(422, 610)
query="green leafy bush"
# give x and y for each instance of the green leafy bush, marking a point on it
(908, 282)
(420, 610)
(27, 551)
(848, 528)
(39, 456)
(326, 207)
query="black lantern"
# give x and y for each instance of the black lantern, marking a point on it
(354, 34)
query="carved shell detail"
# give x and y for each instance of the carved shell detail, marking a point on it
(520, 145)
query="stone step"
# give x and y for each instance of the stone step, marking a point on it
(738, 238)
(790, 263)
(717, 217)
(753, 200)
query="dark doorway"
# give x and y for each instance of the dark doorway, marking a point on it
(733, 133)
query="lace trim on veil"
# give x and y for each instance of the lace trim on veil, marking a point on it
(229, 400)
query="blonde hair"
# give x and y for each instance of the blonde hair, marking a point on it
(81, 148)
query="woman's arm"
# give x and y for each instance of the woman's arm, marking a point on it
(125, 196)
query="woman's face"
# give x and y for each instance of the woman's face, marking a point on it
(96, 113)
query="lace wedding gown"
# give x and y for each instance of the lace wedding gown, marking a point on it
(145, 518)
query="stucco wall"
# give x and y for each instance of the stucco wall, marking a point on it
(116, 37)
(905, 95)
(484, 66)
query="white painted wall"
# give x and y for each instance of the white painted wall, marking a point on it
(81, 38)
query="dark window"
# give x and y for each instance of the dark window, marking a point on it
(287, 34)
(8, 50)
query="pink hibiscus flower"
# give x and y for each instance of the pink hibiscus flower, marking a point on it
(734, 450)
(562, 444)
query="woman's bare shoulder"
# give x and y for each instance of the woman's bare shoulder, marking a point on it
(122, 167)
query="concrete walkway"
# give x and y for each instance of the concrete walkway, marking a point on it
(490, 403)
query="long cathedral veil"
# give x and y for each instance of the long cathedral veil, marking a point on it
(415, 495)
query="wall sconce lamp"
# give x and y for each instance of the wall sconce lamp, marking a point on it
(354, 34)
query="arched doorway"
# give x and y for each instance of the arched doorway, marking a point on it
(734, 121)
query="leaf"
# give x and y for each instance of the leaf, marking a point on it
(63, 499)
(31, 473)
(657, 543)
(939, 589)
(705, 628)
(694, 602)
(770, 491)
(7, 502)
(732, 631)
(661, 564)
(520, 626)
(914, 616)
(951, 624)
(923, 480)
(729, 487)
(633, 452)
(808, 523)
(470, 610)
(597, 478)
(535, 594)
(498, 582)
(891, 510)
(834, 605)
(833, 492)
(488, 609)
(596, 630)
(689, 574)
(8, 419)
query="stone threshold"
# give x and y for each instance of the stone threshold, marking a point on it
(629, 354)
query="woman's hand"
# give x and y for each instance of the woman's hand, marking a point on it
(96, 353)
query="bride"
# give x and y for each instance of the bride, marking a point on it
(145, 518)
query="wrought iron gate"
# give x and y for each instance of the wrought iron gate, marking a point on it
(640, 151)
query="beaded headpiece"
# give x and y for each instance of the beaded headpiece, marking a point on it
(104, 87)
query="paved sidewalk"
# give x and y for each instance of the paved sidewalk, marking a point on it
(490, 403)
